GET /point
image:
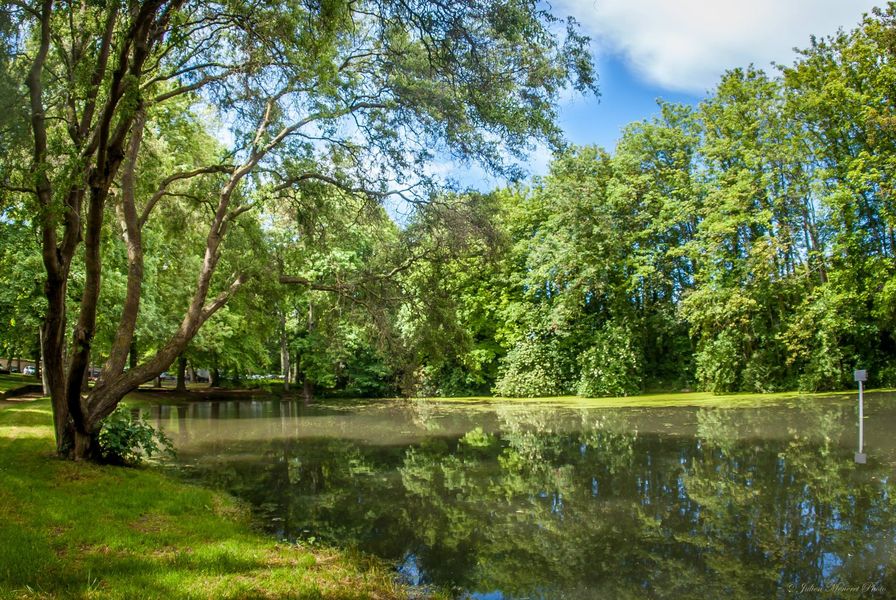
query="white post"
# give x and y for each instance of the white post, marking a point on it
(861, 417)
(861, 377)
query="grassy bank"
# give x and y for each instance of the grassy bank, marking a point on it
(658, 400)
(84, 531)
(697, 399)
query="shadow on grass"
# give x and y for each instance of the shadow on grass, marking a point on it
(75, 530)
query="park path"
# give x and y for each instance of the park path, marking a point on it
(18, 400)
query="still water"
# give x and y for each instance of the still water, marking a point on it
(522, 501)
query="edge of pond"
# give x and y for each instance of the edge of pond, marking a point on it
(68, 529)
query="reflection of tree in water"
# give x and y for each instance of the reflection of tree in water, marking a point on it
(541, 503)
(801, 516)
(422, 413)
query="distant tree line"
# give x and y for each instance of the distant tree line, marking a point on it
(746, 244)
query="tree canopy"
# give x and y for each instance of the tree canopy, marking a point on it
(223, 108)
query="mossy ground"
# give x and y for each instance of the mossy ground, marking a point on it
(73, 530)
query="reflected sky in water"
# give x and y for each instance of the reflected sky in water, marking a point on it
(521, 501)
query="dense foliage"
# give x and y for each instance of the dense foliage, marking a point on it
(744, 244)
(136, 137)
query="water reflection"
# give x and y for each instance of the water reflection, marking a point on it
(524, 502)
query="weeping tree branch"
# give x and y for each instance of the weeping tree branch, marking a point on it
(162, 189)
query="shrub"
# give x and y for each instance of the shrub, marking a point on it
(533, 367)
(612, 365)
(719, 363)
(125, 439)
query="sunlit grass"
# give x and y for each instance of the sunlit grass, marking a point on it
(86, 531)
(698, 399)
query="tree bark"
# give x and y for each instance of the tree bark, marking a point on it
(104, 137)
(284, 352)
(85, 381)
(181, 373)
(42, 372)
(307, 390)
(86, 446)
(307, 385)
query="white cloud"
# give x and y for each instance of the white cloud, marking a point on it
(687, 44)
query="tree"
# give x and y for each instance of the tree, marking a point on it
(351, 95)
(21, 301)
(339, 304)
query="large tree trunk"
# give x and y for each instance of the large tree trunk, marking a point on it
(106, 136)
(85, 381)
(86, 446)
(307, 390)
(284, 353)
(43, 370)
(181, 373)
(54, 371)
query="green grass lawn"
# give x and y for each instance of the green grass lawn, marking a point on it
(699, 399)
(72, 530)
(13, 381)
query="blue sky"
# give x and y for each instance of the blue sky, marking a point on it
(625, 98)
(677, 50)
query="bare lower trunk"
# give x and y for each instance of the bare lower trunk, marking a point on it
(307, 390)
(42, 369)
(85, 382)
(307, 386)
(86, 446)
(53, 337)
(284, 353)
(181, 373)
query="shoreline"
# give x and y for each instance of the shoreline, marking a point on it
(84, 530)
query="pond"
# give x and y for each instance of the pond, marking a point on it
(761, 500)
